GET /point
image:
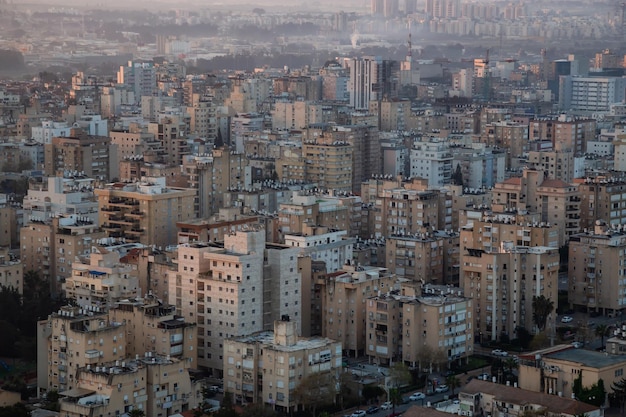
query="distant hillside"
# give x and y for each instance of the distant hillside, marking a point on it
(11, 61)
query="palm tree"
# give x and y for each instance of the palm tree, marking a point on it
(395, 398)
(619, 392)
(453, 382)
(601, 331)
(542, 307)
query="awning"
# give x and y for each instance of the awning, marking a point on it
(77, 392)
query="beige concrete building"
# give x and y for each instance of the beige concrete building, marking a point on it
(267, 367)
(156, 385)
(11, 271)
(503, 266)
(565, 132)
(596, 280)
(333, 247)
(343, 296)
(94, 156)
(555, 164)
(156, 328)
(10, 220)
(419, 330)
(557, 201)
(216, 227)
(145, 211)
(135, 141)
(418, 258)
(50, 247)
(214, 174)
(170, 132)
(602, 198)
(313, 210)
(74, 338)
(509, 135)
(203, 120)
(99, 279)
(557, 368)
(501, 401)
(329, 163)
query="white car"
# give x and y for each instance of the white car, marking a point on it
(358, 413)
(442, 388)
(498, 352)
(386, 405)
(577, 345)
(417, 396)
(567, 319)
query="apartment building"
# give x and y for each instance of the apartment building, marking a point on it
(11, 218)
(405, 210)
(364, 141)
(214, 174)
(216, 227)
(555, 164)
(51, 246)
(71, 193)
(145, 211)
(267, 367)
(74, 338)
(135, 140)
(558, 367)
(405, 327)
(234, 289)
(94, 156)
(565, 132)
(557, 201)
(480, 166)
(499, 401)
(312, 210)
(502, 305)
(157, 385)
(333, 247)
(511, 136)
(155, 327)
(504, 264)
(595, 260)
(418, 258)
(203, 117)
(99, 279)
(343, 294)
(170, 133)
(329, 163)
(602, 198)
(431, 160)
(11, 271)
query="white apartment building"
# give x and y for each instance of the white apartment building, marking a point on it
(48, 130)
(323, 244)
(70, 194)
(234, 289)
(431, 160)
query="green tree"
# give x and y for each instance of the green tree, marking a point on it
(602, 331)
(371, 392)
(619, 393)
(136, 412)
(258, 410)
(226, 408)
(542, 307)
(316, 390)
(457, 176)
(453, 382)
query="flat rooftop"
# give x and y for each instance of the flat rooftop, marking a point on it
(589, 358)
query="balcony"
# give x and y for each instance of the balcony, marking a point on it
(108, 226)
(110, 209)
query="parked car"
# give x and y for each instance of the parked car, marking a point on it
(358, 413)
(417, 396)
(442, 388)
(498, 352)
(484, 377)
(386, 405)
(567, 319)
(372, 410)
(577, 345)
